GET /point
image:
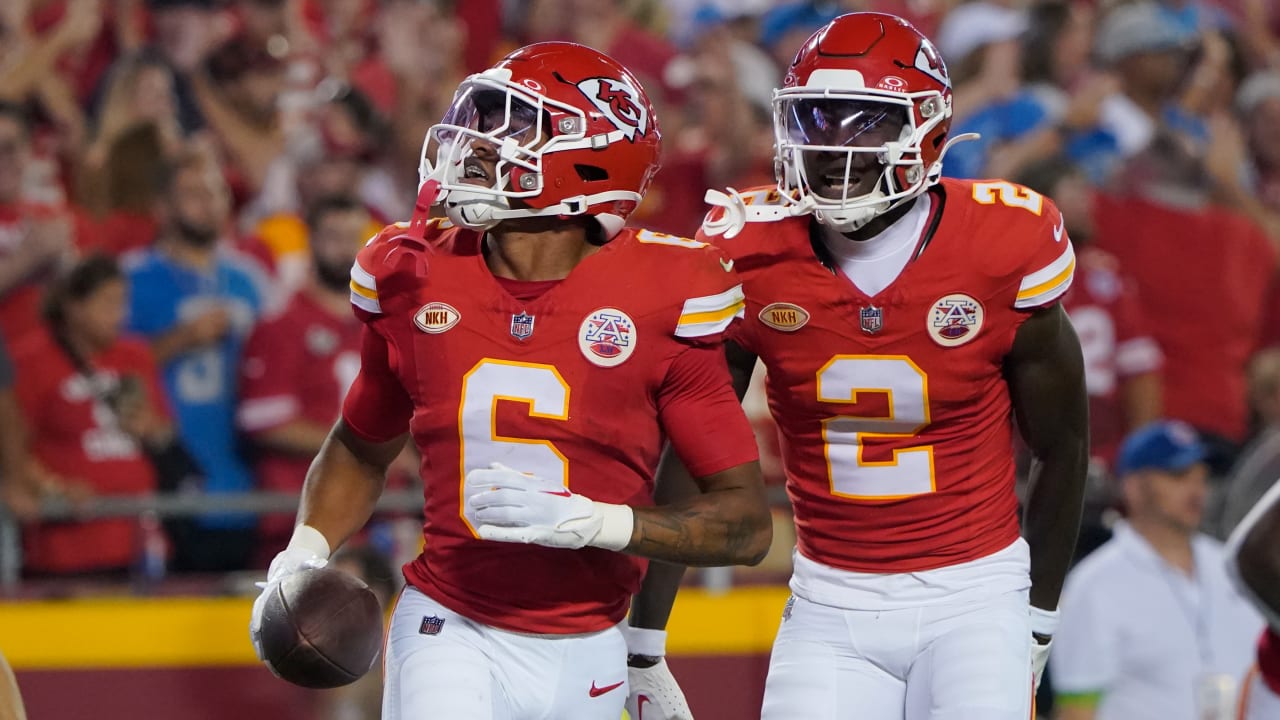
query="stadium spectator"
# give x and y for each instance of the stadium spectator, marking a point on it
(1148, 52)
(1122, 360)
(35, 238)
(1151, 617)
(1258, 107)
(1203, 275)
(196, 300)
(298, 365)
(92, 403)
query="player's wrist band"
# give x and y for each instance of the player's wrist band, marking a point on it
(618, 522)
(645, 642)
(310, 540)
(1044, 623)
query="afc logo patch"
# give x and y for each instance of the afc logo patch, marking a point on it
(955, 319)
(521, 326)
(431, 625)
(607, 337)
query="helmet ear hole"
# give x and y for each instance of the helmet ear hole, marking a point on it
(591, 173)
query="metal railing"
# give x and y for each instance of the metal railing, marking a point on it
(165, 506)
(188, 504)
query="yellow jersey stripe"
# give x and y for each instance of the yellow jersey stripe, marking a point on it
(363, 291)
(711, 316)
(1050, 284)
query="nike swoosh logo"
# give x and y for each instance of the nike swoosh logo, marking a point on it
(728, 266)
(560, 493)
(640, 706)
(598, 691)
(1057, 230)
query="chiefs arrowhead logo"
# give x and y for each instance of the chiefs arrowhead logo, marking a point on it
(619, 102)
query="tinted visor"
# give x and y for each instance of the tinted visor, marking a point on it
(839, 122)
(491, 112)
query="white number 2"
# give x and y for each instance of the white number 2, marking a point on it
(986, 193)
(538, 386)
(910, 470)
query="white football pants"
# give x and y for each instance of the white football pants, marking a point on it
(935, 662)
(440, 665)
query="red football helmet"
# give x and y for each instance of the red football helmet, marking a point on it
(571, 130)
(865, 106)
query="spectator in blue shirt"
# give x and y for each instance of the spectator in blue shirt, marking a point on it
(196, 301)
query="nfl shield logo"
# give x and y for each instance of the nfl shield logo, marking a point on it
(872, 319)
(431, 625)
(521, 326)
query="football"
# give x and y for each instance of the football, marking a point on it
(321, 628)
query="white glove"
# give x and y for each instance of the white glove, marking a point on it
(509, 506)
(655, 694)
(1043, 623)
(1039, 657)
(307, 549)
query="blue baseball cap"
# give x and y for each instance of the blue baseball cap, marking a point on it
(1168, 445)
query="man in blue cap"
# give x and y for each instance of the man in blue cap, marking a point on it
(1151, 625)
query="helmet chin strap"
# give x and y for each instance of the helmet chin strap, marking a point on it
(479, 210)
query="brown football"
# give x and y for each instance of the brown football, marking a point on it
(321, 628)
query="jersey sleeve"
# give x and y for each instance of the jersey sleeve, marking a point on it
(701, 415)
(385, 264)
(713, 299)
(1048, 261)
(268, 396)
(377, 408)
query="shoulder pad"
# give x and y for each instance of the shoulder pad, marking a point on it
(390, 258)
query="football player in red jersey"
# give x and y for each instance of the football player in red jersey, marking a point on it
(538, 353)
(905, 322)
(1253, 557)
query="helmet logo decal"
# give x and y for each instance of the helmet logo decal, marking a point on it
(892, 83)
(927, 62)
(619, 102)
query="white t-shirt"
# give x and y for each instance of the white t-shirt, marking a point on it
(874, 263)
(1144, 635)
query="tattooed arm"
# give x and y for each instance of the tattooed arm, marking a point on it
(728, 523)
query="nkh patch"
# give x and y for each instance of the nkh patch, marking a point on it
(431, 625)
(521, 326)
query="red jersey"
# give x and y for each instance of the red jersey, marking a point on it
(75, 434)
(896, 423)
(1104, 311)
(1203, 279)
(296, 366)
(581, 383)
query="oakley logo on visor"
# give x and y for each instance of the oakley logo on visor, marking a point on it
(619, 102)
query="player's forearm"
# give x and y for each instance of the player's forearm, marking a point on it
(1055, 499)
(344, 483)
(723, 526)
(651, 607)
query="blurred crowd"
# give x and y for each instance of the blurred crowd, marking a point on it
(184, 183)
